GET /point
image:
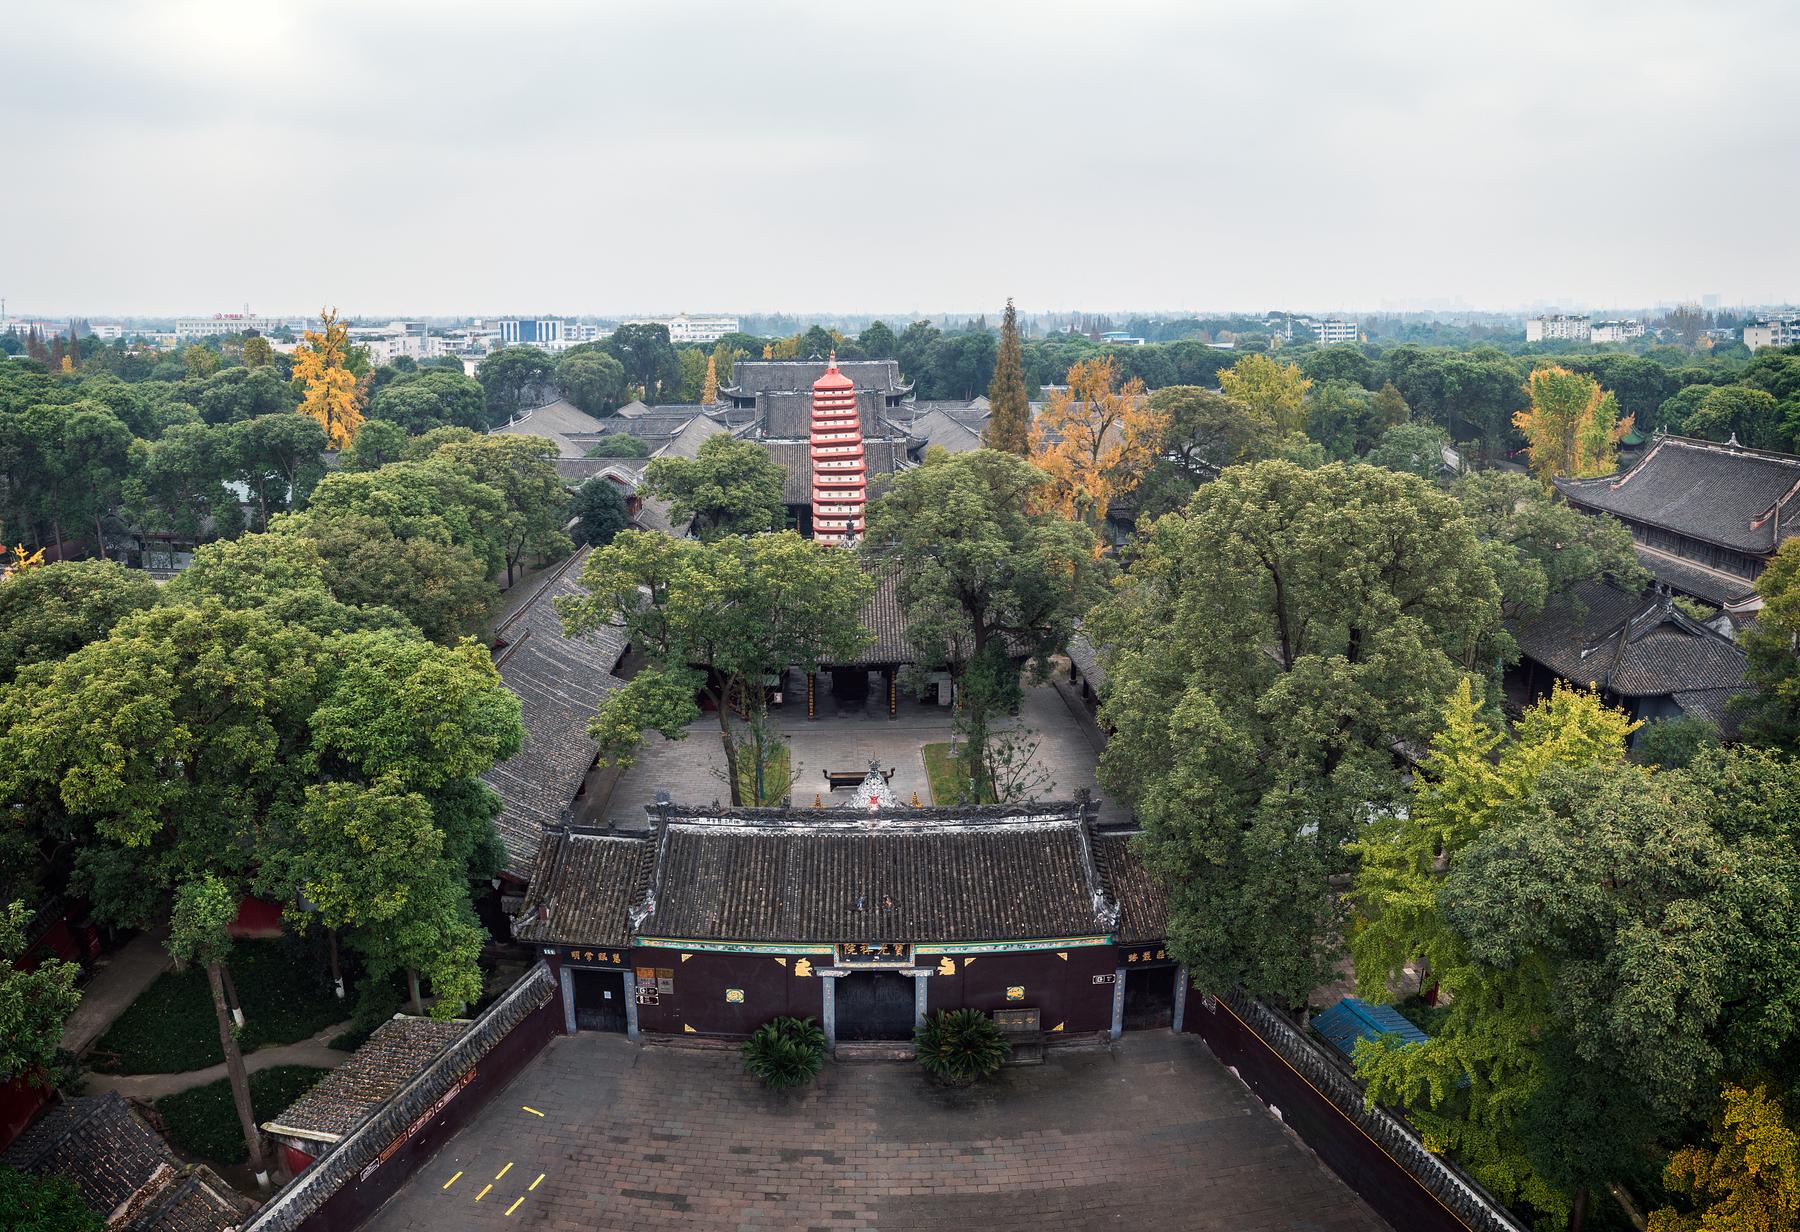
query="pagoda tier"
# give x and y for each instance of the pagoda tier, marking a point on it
(840, 475)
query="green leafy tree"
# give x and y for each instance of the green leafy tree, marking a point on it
(203, 911)
(1772, 652)
(1268, 651)
(983, 578)
(1272, 390)
(1751, 416)
(52, 611)
(1572, 427)
(420, 571)
(438, 398)
(1340, 415)
(518, 378)
(1748, 1180)
(592, 380)
(377, 443)
(717, 618)
(730, 487)
(600, 512)
(522, 469)
(1541, 546)
(45, 1203)
(1009, 412)
(1412, 449)
(33, 1003)
(281, 456)
(619, 445)
(424, 499)
(877, 341)
(646, 355)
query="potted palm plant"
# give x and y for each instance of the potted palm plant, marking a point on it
(957, 1047)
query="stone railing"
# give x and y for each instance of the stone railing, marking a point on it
(1461, 1195)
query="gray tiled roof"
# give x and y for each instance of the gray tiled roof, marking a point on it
(1692, 578)
(883, 457)
(585, 887)
(788, 416)
(1143, 905)
(885, 617)
(1087, 660)
(939, 428)
(686, 443)
(393, 1056)
(797, 875)
(301, 1198)
(755, 376)
(1738, 498)
(557, 418)
(560, 682)
(101, 1144)
(198, 1202)
(1629, 645)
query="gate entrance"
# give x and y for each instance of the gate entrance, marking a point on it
(875, 1005)
(1149, 997)
(599, 1000)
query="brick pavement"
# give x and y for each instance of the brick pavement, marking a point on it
(1151, 1133)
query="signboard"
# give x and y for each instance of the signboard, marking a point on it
(607, 958)
(1146, 955)
(874, 954)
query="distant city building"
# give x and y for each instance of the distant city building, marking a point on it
(1558, 328)
(1121, 337)
(108, 331)
(222, 323)
(1774, 331)
(387, 343)
(1615, 331)
(1335, 330)
(546, 332)
(685, 328)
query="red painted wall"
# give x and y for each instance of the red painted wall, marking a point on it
(1062, 990)
(19, 1103)
(769, 982)
(256, 917)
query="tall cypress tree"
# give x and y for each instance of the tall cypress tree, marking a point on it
(1009, 417)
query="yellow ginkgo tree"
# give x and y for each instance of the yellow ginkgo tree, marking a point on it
(1748, 1180)
(331, 393)
(1096, 439)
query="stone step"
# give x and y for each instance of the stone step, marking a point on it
(873, 1050)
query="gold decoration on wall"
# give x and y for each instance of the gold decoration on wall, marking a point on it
(781, 960)
(946, 965)
(803, 967)
(687, 1030)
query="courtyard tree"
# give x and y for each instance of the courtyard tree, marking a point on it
(431, 398)
(1268, 651)
(1009, 413)
(716, 619)
(1096, 440)
(523, 471)
(280, 457)
(1748, 1178)
(1272, 390)
(600, 512)
(730, 487)
(591, 380)
(983, 576)
(33, 1003)
(321, 365)
(378, 442)
(1572, 427)
(1772, 647)
(516, 378)
(203, 911)
(646, 354)
(1737, 412)
(54, 610)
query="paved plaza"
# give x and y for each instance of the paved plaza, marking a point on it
(849, 737)
(1151, 1133)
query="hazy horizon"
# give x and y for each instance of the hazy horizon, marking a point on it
(802, 159)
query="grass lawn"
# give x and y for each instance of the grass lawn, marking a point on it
(203, 1121)
(947, 783)
(170, 1028)
(775, 779)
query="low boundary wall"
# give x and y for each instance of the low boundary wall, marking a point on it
(1373, 1151)
(377, 1156)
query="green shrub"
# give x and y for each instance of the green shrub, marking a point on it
(959, 1046)
(170, 1028)
(43, 1204)
(785, 1053)
(203, 1120)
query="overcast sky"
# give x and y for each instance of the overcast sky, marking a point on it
(515, 157)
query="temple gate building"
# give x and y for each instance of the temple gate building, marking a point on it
(866, 917)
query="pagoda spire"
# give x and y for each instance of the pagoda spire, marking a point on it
(840, 473)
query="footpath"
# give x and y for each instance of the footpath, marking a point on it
(147, 1087)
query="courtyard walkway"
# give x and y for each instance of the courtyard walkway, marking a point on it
(1151, 1133)
(849, 738)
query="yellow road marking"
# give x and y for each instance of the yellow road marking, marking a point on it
(451, 1181)
(531, 1110)
(504, 1170)
(515, 1205)
(483, 1193)
(534, 1184)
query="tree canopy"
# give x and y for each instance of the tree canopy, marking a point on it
(731, 487)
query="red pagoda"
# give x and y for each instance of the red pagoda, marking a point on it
(840, 476)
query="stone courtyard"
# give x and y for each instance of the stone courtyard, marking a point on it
(850, 736)
(601, 1134)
